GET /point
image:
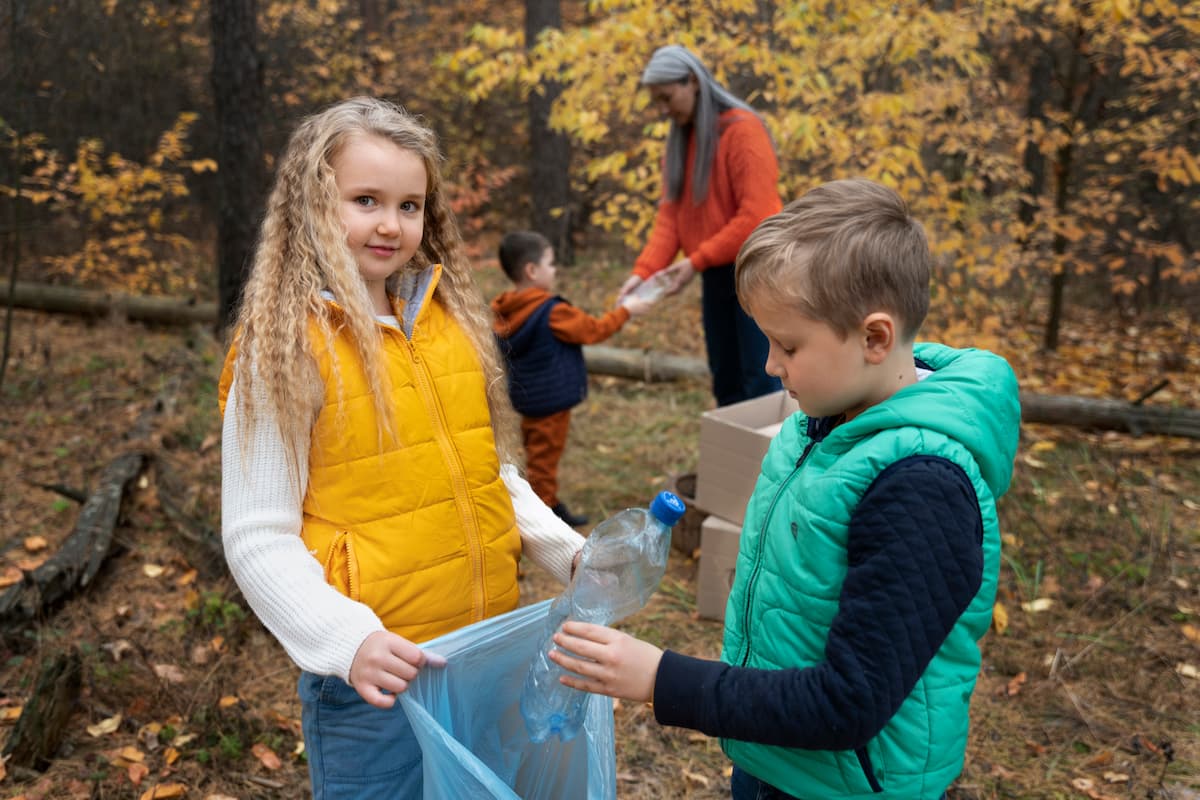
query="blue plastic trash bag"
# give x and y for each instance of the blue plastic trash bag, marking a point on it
(468, 720)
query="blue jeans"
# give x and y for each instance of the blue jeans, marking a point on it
(356, 751)
(744, 786)
(737, 349)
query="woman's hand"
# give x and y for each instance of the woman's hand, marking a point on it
(384, 666)
(609, 662)
(631, 283)
(682, 272)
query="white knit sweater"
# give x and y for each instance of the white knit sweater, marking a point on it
(320, 628)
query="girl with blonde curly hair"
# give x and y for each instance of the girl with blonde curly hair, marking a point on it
(370, 498)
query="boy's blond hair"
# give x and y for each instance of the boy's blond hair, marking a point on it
(838, 253)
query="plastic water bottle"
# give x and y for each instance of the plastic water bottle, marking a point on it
(652, 289)
(622, 562)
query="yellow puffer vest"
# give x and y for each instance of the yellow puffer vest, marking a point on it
(424, 532)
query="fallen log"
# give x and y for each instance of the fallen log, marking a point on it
(40, 727)
(76, 563)
(95, 303)
(644, 365)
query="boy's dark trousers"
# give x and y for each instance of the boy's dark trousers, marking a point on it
(545, 439)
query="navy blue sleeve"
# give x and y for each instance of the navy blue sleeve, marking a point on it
(915, 561)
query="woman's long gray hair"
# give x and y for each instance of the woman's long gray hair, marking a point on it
(673, 64)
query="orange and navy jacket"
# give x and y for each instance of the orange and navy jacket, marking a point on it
(541, 337)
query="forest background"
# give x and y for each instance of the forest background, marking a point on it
(1049, 147)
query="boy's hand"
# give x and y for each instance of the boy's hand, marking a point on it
(610, 662)
(637, 306)
(386, 662)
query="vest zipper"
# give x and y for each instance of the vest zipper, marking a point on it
(762, 546)
(457, 478)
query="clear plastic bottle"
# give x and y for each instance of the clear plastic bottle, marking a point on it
(622, 562)
(652, 289)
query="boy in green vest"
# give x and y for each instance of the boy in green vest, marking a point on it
(870, 550)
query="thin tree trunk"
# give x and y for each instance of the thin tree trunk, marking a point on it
(238, 100)
(14, 252)
(550, 156)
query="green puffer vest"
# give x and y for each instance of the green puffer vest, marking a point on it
(792, 562)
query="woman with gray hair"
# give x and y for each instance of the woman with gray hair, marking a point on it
(720, 182)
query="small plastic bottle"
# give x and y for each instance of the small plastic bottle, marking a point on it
(652, 289)
(622, 562)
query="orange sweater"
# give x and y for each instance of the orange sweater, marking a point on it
(741, 193)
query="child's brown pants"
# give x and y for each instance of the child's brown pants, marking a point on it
(545, 438)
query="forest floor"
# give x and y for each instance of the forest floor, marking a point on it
(1090, 686)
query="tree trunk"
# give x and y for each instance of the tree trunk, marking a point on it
(238, 100)
(43, 721)
(79, 559)
(550, 151)
(92, 303)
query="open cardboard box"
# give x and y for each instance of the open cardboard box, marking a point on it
(719, 540)
(733, 441)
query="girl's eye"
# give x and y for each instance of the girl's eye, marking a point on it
(365, 200)
(410, 206)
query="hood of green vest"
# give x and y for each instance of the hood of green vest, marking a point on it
(971, 397)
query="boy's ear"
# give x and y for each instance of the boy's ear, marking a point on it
(879, 336)
(527, 270)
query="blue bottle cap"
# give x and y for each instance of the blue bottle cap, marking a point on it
(667, 508)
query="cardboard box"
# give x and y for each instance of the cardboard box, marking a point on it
(733, 441)
(718, 557)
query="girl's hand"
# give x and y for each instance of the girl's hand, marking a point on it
(384, 666)
(610, 662)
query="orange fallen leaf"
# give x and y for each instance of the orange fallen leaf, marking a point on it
(164, 792)
(266, 756)
(1000, 618)
(9, 715)
(10, 576)
(187, 578)
(132, 754)
(1191, 633)
(29, 564)
(137, 772)
(227, 701)
(35, 544)
(170, 755)
(1013, 687)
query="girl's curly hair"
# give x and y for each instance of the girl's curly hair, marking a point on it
(302, 250)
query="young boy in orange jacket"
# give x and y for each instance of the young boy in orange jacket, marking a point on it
(541, 336)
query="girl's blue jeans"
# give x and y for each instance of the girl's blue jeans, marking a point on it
(356, 751)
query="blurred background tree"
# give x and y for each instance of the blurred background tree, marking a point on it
(1050, 147)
